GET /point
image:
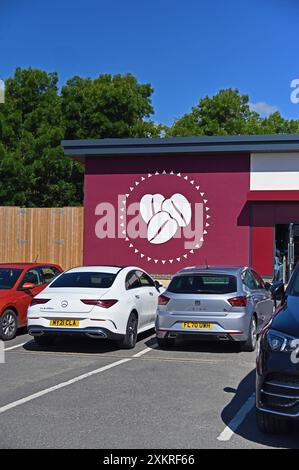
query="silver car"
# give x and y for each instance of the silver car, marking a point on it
(222, 303)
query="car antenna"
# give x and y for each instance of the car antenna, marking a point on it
(207, 266)
(36, 258)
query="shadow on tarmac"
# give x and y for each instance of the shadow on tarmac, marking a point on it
(214, 347)
(81, 344)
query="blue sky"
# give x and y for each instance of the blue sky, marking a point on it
(185, 49)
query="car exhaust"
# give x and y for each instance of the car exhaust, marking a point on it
(36, 333)
(96, 335)
(223, 337)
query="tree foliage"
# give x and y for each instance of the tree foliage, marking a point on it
(229, 113)
(109, 106)
(36, 116)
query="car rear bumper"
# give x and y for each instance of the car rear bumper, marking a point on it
(231, 327)
(200, 335)
(92, 332)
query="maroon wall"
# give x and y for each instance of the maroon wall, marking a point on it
(217, 184)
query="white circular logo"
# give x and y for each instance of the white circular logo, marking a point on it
(177, 216)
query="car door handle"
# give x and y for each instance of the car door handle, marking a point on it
(137, 296)
(150, 293)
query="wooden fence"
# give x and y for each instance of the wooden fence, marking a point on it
(42, 235)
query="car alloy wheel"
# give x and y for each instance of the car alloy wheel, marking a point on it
(130, 338)
(8, 325)
(251, 342)
(132, 331)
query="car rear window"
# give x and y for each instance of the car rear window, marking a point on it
(85, 279)
(203, 284)
(8, 277)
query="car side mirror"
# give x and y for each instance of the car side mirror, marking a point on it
(27, 286)
(158, 285)
(278, 291)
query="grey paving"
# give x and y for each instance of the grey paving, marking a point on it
(181, 398)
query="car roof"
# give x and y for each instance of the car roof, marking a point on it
(102, 268)
(25, 265)
(114, 269)
(233, 270)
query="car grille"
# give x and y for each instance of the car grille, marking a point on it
(283, 378)
(281, 392)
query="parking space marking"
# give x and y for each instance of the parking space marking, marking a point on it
(15, 346)
(238, 419)
(144, 351)
(136, 356)
(16, 403)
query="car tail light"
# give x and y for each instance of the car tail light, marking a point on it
(163, 300)
(38, 301)
(100, 303)
(238, 301)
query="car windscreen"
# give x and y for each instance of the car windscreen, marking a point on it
(8, 277)
(96, 280)
(203, 284)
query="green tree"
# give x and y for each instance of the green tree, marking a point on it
(35, 118)
(228, 113)
(108, 106)
(276, 124)
(33, 169)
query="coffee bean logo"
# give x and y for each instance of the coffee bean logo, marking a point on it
(150, 205)
(161, 228)
(179, 209)
(164, 216)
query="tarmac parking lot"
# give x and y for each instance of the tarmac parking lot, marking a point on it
(84, 393)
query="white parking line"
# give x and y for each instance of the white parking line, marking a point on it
(16, 403)
(15, 346)
(144, 351)
(233, 425)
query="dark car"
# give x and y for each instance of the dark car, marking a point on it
(277, 377)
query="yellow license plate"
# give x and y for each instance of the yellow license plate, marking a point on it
(64, 322)
(197, 325)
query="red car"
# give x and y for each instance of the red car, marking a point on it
(19, 283)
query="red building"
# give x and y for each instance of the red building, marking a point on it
(164, 204)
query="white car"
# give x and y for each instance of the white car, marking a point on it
(113, 302)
